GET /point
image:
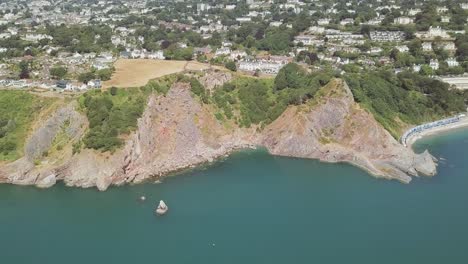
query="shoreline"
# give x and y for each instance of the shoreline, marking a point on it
(438, 130)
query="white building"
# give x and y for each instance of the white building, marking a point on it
(347, 21)
(413, 12)
(158, 55)
(276, 23)
(305, 39)
(387, 36)
(434, 64)
(243, 19)
(427, 46)
(402, 48)
(416, 67)
(237, 55)
(222, 51)
(264, 66)
(316, 30)
(230, 7)
(452, 62)
(323, 21)
(36, 37)
(442, 9)
(449, 46)
(403, 20)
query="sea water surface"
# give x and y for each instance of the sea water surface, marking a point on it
(250, 208)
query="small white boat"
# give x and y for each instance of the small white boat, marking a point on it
(162, 208)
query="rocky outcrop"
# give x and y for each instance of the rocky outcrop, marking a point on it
(334, 128)
(65, 121)
(215, 79)
(176, 131)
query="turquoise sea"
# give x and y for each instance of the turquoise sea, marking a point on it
(250, 208)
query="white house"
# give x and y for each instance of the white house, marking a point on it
(402, 48)
(276, 23)
(243, 19)
(403, 20)
(237, 55)
(36, 37)
(434, 64)
(452, 62)
(222, 51)
(427, 46)
(157, 55)
(347, 21)
(416, 67)
(304, 39)
(323, 21)
(413, 12)
(316, 30)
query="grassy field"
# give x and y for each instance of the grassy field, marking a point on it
(18, 110)
(135, 73)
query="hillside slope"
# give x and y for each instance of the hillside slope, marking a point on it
(177, 131)
(333, 128)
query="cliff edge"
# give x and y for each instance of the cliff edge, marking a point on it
(333, 128)
(177, 131)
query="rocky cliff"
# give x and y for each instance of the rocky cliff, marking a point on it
(333, 128)
(176, 131)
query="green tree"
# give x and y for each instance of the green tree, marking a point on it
(58, 72)
(426, 70)
(86, 77)
(24, 69)
(230, 65)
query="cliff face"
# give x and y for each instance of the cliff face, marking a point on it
(334, 128)
(36, 166)
(176, 132)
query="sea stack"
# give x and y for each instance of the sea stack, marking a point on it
(162, 208)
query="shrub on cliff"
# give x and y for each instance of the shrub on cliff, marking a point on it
(18, 110)
(111, 116)
(230, 65)
(406, 97)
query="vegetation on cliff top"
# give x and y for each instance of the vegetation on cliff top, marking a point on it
(114, 113)
(111, 114)
(260, 101)
(394, 100)
(18, 109)
(406, 98)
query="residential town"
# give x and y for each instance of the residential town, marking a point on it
(72, 45)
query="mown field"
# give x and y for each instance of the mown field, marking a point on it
(137, 72)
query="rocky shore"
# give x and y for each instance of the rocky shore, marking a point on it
(176, 131)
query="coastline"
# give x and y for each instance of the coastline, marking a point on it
(437, 130)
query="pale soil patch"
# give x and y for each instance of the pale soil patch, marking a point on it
(137, 72)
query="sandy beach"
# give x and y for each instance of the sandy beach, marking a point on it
(415, 137)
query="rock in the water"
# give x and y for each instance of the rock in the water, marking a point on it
(424, 164)
(47, 181)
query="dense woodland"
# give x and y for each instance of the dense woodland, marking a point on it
(111, 114)
(406, 98)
